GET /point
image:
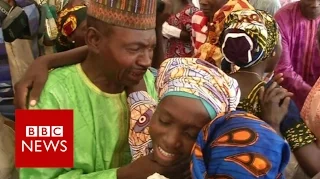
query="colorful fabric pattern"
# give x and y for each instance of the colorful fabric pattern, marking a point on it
(133, 14)
(142, 107)
(250, 36)
(251, 103)
(244, 38)
(68, 21)
(238, 145)
(199, 31)
(199, 78)
(182, 20)
(293, 128)
(195, 77)
(299, 60)
(311, 110)
(210, 51)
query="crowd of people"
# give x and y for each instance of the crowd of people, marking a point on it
(220, 89)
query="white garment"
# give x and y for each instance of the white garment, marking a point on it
(270, 6)
(156, 176)
(169, 31)
(196, 3)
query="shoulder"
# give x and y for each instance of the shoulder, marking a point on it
(56, 89)
(58, 77)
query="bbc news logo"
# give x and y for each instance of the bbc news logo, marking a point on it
(44, 138)
(42, 145)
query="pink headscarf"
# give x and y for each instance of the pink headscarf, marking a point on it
(310, 112)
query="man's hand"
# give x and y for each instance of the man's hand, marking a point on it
(34, 80)
(274, 102)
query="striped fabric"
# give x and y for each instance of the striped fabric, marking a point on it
(199, 30)
(133, 14)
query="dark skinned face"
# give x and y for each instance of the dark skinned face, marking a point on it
(210, 7)
(125, 54)
(310, 8)
(174, 128)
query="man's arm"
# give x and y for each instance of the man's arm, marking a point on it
(37, 74)
(292, 80)
(73, 56)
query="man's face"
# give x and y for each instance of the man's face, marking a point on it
(126, 54)
(210, 7)
(311, 7)
(174, 128)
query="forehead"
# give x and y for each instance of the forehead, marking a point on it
(133, 34)
(186, 112)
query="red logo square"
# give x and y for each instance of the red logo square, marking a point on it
(44, 139)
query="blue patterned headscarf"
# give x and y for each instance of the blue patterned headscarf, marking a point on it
(238, 145)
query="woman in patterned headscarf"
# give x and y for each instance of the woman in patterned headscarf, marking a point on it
(71, 27)
(251, 41)
(192, 92)
(208, 24)
(199, 84)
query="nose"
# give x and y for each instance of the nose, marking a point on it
(145, 59)
(173, 141)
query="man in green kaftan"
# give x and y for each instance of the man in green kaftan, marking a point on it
(120, 39)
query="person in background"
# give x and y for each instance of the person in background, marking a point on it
(299, 62)
(177, 30)
(72, 26)
(22, 52)
(310, 111)
(285, 2)
(207, 26)
(259, 53)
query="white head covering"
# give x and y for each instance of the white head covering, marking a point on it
(270, 6)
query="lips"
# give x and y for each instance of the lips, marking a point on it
(137, 74)
(166, 154)
(164, 157)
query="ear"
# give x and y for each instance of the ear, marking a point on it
(93, 39)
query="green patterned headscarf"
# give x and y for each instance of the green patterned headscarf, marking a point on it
(249, 37)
